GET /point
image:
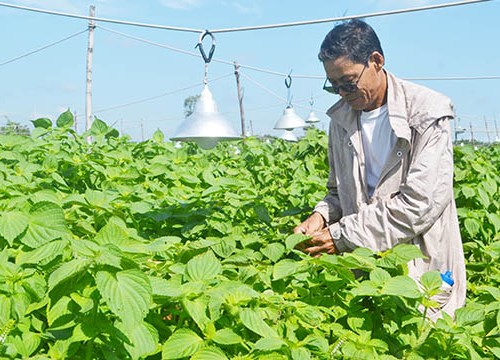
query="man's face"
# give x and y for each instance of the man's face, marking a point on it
(360, 85)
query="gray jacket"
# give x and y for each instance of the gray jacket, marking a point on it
(413, 200)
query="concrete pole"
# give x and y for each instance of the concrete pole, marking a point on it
(240, 99)
(90, 53)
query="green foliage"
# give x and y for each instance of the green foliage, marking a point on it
(121, 250)
(14, 128)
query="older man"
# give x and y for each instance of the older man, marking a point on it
(391, 164)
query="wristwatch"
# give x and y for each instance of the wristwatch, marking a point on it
(336, 232)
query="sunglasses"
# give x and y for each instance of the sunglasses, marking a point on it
(346, 88)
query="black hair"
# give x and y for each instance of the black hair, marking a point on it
(354, 39)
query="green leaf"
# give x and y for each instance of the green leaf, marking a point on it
(269, 344)
(203, 267)
(111, 233)
(44, 123)
(66, 271)
(98, 127)
(46, 223)
(143, 339)
(59, 309)
(166, 288)
(44, 254)
(262, 213)
(295, 239)
(253, 320)
(27, 343)
(366, 288)
(286, 267)
(65, 120)
(301, 354)
(127, 293)
(226, 337)
(403, 286)
(468, 191)
(209, 353)
(471, 314)
(472, 226)
(431, 280)
(158, 136)
(12, 224)
(197, 309)
(403, 253)
(181, 344)
(495, 220)
(273, 251)
(379, 276)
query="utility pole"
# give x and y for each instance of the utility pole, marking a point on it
(497, 136)
(240, 99)
(90, 53)
(487, 130)
(75, 122)
(471, 133)
(142, 129)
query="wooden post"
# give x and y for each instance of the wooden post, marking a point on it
(240, 99)
(90, 52)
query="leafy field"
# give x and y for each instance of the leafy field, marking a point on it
(122, 250)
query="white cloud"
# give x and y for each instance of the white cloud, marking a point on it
(181, 4)
(248, 7)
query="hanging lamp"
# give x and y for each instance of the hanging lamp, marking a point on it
(288, 135)
(289, 120)
(205, 126)
(312, 118)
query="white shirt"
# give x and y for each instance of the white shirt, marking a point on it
(378, 141)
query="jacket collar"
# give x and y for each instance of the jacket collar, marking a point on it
(409, 106)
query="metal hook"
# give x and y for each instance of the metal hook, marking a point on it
(288, 81)
(288, 84)
(206, 58)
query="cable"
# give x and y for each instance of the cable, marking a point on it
(247, 28)
(42, 48)
(191, 53)
(264, 88)
(382, 13)
(272, 72)
(158, 96)
(493, 77)
(186, 52)
(122, 22)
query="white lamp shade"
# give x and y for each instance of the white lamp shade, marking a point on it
(312, 118)
(205, 126)
(288, 135)
(289, 120)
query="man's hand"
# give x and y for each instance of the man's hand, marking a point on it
(320, 242)
(311, 225)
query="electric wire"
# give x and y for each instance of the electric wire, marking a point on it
(114, 21)
(343, 18)
(42, 48)
(277, 73)
(246, 28)
(182, 51)
(160, 95)
(192, 53)
(264, 88)
(492, 77)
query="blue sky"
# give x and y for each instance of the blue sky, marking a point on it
(459, 41)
